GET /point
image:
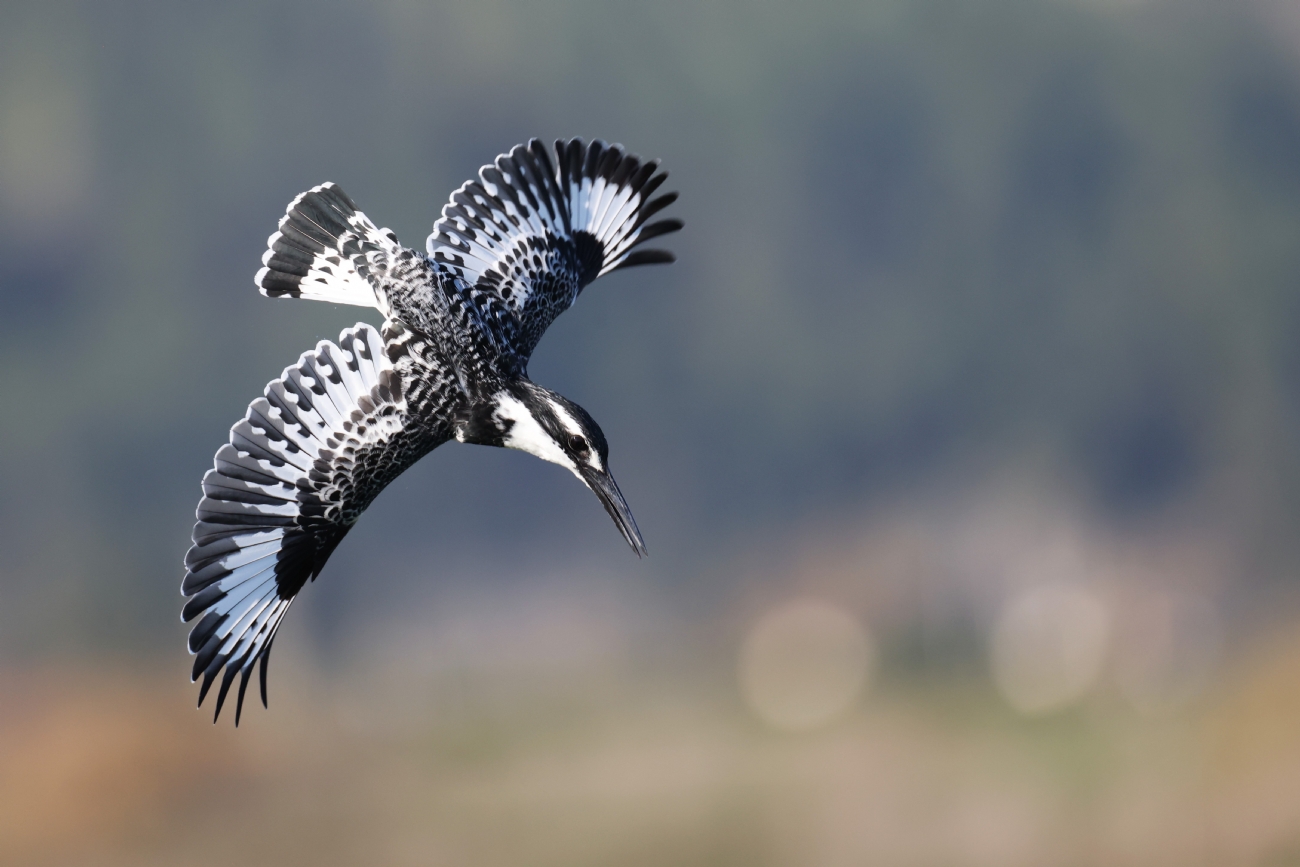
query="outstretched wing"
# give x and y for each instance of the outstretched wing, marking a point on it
(300, 467)
(529, 233)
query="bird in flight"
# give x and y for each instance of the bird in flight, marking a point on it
(514, 249)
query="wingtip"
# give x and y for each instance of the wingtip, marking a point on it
(227, 679)
(243, 685)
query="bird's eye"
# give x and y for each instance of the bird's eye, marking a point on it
(578, 444)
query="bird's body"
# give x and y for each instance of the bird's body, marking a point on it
(512, 251)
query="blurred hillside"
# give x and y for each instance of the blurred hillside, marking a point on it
(973, 299)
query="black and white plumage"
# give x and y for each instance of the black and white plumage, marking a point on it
(513, 250)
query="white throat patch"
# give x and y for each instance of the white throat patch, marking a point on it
(527, 435)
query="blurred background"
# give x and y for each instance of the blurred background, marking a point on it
(963, 436)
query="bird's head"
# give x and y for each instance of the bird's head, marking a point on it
(532, 419)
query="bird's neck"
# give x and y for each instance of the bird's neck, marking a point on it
(495, 413)
(481, 425)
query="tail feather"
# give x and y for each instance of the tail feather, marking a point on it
(326, 250)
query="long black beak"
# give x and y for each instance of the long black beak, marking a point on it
(604, 486)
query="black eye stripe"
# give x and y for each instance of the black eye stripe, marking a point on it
(577, 443)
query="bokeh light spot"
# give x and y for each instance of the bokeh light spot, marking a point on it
(1048, 647)
(804, 663)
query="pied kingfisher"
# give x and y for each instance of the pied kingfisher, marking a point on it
(513, 249)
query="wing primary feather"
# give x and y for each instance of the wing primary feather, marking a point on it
(200, 634)
(522, 160)
(653, 207)
(550, 180)
(243, 685)
(266, 660)
(663, 227)
(209, 673)
(226, 680)
(654, 230)
(648, 257)
(653, 184)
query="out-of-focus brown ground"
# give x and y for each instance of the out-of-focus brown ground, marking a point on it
(110, 765)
